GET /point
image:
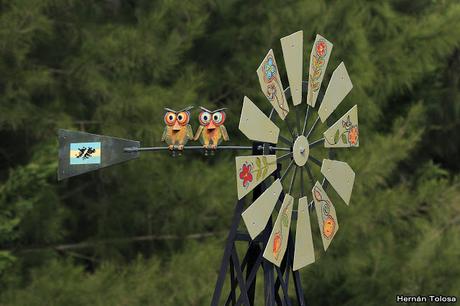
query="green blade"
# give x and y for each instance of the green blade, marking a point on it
(81, 152)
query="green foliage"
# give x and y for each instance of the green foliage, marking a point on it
(143, 282)
(110, 67)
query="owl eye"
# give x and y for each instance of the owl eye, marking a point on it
(183, 118)
(204, 118)
(170, 118)
(218, 117)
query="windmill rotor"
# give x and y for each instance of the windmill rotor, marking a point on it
(301, 154)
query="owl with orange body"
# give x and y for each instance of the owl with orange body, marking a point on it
(212, 130)
(177, 131)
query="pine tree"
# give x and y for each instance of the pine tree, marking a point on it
(110, 68)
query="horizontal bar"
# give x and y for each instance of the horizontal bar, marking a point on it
(260, 148)
(133, 149)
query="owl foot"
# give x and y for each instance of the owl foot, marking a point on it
(171, 147)
(180, 147)
(213, 147)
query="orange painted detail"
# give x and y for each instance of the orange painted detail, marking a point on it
(353, 135)
(329, 227)
(277, 244)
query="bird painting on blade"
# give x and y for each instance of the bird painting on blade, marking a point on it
(177, 130)
(212, 129)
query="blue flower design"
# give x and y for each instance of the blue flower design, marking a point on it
(269, 69)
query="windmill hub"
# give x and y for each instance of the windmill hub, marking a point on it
(300, 150)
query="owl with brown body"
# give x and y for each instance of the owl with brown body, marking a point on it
(212, 130)
(177, 130)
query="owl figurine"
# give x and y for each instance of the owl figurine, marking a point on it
(177, 130)
(212, 129)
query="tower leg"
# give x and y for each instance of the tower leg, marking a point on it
(275, 278)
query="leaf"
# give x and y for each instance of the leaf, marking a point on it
(336, 137)
(258, 162)
(265, 171)
(259, 174)
(344, 138)
(264, 160)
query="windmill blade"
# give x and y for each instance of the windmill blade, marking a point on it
(292, 46)
(344, 133)
(81, 152)
(339, 86)
(252, 170)
(325, 212)
(277, 243)
(256, 216)
(319, 58)
(255, 125)
(304, 253)
(271, 86)
(341, 177)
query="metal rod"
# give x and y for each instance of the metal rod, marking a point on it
(134, 149)
(260, 148)
(284, 156)
(285, 140)
(271, 113)
(310, 175)
(313, 127)
(287, 170)
(280, 149)
(316, 161)
(306, 120)
(316, 142)
(293, 179)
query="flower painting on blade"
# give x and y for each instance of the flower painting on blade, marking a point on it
(321, 48)
(269, 70)
(246, 174)
(328, 221)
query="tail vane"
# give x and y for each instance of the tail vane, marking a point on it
(81, 152)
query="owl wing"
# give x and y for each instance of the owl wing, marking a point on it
(189, 131)
(223, 130)
(165, 132)
(198, 132)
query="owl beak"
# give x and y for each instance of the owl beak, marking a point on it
(176, 126)
(211, 126)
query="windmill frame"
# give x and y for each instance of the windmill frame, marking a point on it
(253, 258)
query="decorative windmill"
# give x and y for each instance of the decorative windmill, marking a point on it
(271, 244)
(273, 241)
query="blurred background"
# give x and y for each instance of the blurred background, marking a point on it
(152, 231)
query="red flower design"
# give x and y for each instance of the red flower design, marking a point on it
(321, 48)
(246, 174)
